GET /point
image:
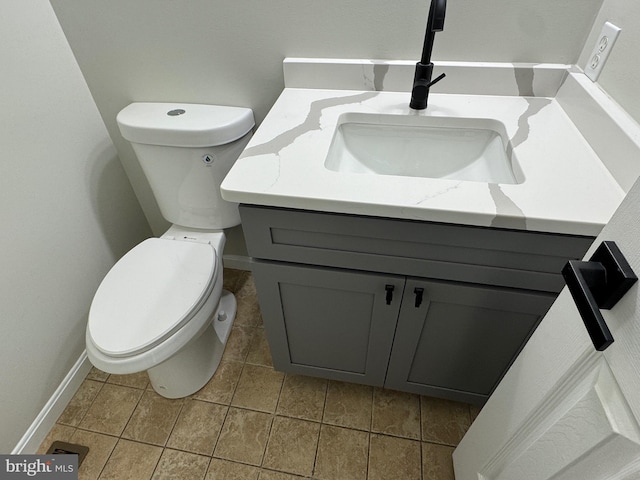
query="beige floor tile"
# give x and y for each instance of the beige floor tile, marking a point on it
(244, 436)
(246, 287)
(176, 465)
(97, 374)
(238, 343)
(444, 421)
(302, 397)
(226, 470)
(153, 419)
(111, 410)
(134, 380)
(437, 463)
(80, 403)
(348, 405)
(259, 353)
(60, 433)
(292, 446)
(392, 457)
(249, 314)
(248, 308)
(474, 411)
(198, 426)
(231, 279)
(100, 448)
(396, 413)
(221, 387)
(131, 460)
(271, 475)
(258, 388)
(342, 454)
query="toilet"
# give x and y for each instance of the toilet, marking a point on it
(162, 308)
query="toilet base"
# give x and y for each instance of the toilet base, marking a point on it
(193, 366)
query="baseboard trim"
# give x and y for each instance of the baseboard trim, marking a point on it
(238, 262)
(46, 419)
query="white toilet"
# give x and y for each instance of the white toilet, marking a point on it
(161, 308)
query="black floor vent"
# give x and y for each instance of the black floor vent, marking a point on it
(64, 448)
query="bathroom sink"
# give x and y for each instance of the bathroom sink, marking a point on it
(467, 149)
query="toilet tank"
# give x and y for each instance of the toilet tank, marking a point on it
(185, 151)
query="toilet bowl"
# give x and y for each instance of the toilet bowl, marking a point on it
(162, 308)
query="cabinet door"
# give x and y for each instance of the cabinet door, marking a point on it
(335, 324)
(460, 339)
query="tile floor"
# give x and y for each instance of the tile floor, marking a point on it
(254, 423)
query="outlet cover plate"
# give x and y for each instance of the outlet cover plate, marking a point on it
(601, 50)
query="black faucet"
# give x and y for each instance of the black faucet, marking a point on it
(424, 68)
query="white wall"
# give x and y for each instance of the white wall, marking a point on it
(67, 211)
(619, 78)
(230, 51)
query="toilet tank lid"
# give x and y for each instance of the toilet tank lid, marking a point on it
(184, 124)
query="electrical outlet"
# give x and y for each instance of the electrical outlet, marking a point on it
(601, 50)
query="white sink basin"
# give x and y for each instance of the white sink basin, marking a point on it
(467, 149)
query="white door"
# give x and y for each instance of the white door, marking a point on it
(564, 410)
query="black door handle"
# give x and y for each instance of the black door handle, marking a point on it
(389, 289)
(599, 283)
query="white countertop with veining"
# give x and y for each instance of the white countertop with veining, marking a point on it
(567, 189)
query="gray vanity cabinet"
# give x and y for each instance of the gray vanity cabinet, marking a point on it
(329, 323)
(423, 307)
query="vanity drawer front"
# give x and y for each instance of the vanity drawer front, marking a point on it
(445, 251)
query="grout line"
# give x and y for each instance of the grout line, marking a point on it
(324, 405)
(131, 416)
(369, 455)
(157, 463)
(108, 458)
(175, 422)
(284, 379)
(206, 470)
(266, 445)
(215, 444)
(371, 405)
(84, 414)
(421, 440)
(315, 457)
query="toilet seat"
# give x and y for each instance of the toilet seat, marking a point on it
(149, 294)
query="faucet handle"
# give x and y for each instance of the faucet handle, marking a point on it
(436, 80)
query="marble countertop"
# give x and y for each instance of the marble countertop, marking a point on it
(567, 189)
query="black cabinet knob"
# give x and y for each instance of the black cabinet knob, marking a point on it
(419, 292)
(389, 289)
